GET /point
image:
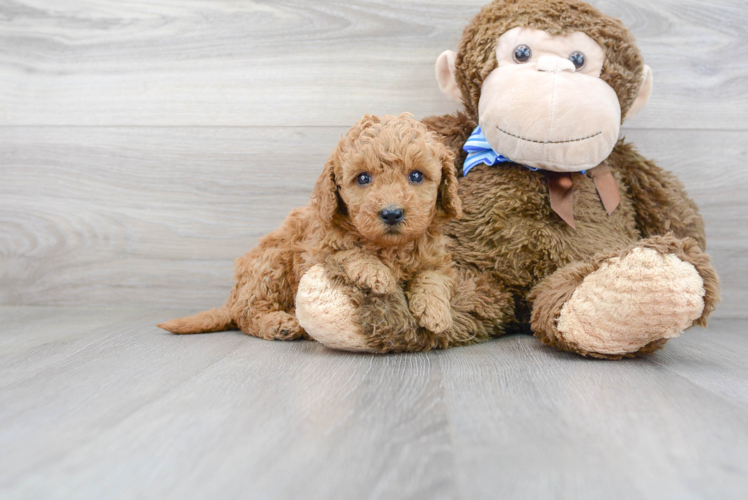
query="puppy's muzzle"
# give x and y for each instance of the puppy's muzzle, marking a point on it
(392, 216)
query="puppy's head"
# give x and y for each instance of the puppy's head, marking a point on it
(391, 179)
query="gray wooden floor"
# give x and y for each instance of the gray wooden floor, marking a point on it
(98, 403)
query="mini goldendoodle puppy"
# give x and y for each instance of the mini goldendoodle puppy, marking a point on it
(375, 218)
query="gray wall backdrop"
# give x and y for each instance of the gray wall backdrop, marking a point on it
(145, 145)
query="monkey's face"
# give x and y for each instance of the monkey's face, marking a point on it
(545, 105)
(548, 101)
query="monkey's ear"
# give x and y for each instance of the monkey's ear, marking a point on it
(644, 92)
(445, 75)
(448, 202)
(325, 196)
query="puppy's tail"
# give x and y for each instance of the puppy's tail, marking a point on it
(214, 320)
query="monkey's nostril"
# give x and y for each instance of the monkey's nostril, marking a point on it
(391, 215)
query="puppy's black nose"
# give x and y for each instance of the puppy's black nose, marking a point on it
(391, 215)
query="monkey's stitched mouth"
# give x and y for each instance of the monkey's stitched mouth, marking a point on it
(547, 142)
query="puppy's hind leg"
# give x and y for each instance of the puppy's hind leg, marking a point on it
(262, 301)
(271, 324)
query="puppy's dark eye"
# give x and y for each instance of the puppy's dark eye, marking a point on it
(416, 177)
(578, 59)
(363, 179)
(522, 54)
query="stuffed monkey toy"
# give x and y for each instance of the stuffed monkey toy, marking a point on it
(565, 226)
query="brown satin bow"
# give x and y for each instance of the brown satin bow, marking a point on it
(561, 189)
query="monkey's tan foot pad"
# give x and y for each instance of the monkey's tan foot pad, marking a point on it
(631, 301)
(327, 313)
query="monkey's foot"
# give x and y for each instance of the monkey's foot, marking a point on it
(627, 304)
(632, 301)
(328, 313)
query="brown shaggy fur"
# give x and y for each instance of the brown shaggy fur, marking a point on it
(509, 237)
(341, 228)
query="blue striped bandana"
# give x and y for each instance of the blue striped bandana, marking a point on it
(480, 151)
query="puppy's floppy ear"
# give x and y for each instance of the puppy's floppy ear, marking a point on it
(326, 197)
(448, 202)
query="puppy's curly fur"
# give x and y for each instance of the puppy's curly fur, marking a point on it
(342, 227)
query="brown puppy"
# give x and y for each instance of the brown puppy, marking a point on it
(376, 216)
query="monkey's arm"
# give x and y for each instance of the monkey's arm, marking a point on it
(660, 199)
(454, 130)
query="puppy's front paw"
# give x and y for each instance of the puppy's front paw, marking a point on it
(431, 313)
(376, 278)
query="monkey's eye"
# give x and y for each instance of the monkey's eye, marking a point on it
(522, 54)
(416, 177)
(578, 59)
(363, 179)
